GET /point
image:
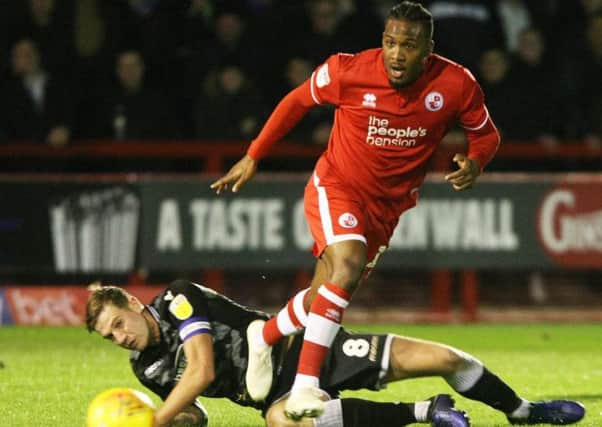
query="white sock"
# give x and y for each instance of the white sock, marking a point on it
(523, 410)
(287, 325)
(332, 416)
(302, 380)
(421, 410)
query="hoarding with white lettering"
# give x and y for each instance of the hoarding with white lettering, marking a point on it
(504, 222)
(175, 223)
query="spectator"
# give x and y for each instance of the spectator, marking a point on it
(159, 25)
(132, 110)
(48, 23)
(580, 76)
(568, 22)
(315, 127)
(102, 29)
(266, 21)
(267, 18)
(36, 106)
(515, 18)
(361, 24)
(188, 64)
(234, 44)
(229, 106)
(323, 33)
(535, 105)
(593, 82)
(465, 29)
(197, 26)
(499, 93)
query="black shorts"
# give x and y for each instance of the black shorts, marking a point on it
(355, 361)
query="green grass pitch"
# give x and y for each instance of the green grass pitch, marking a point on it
(48, 375)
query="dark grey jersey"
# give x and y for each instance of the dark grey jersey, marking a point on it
(186, 309)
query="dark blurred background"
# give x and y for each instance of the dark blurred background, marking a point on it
(165, 81)
(202, 69)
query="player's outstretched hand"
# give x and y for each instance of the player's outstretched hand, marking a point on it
(237, 177)
(465, 177)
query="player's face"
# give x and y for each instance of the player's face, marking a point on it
(405, 48)
(125, 327)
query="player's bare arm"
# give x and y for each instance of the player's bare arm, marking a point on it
(237, 176)
(197, 376)
(465, 177)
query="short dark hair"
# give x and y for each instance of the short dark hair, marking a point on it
(101, 297)
(413, 12)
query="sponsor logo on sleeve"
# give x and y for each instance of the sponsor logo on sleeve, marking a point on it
(180, 307)
(323, 78)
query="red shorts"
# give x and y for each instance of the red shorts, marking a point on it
(334, 214)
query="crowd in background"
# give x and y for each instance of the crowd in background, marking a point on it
(73, 70)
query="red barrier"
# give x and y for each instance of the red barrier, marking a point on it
(216, 153)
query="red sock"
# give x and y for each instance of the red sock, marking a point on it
(323, 323)
(291, 319)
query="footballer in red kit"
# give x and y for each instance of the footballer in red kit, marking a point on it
(394, 105)
(383, 137)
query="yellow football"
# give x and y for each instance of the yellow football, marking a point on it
(120, 407)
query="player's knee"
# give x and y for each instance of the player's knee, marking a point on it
(451, 361)
(455, 360)
(465, 370)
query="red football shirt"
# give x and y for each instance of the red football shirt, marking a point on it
(382, 138)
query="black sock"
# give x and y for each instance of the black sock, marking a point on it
(365, 413)
(491, 390)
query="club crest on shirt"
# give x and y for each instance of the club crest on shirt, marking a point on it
(323, 78)
(347, 220)
(433, 101)
(180, 307)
